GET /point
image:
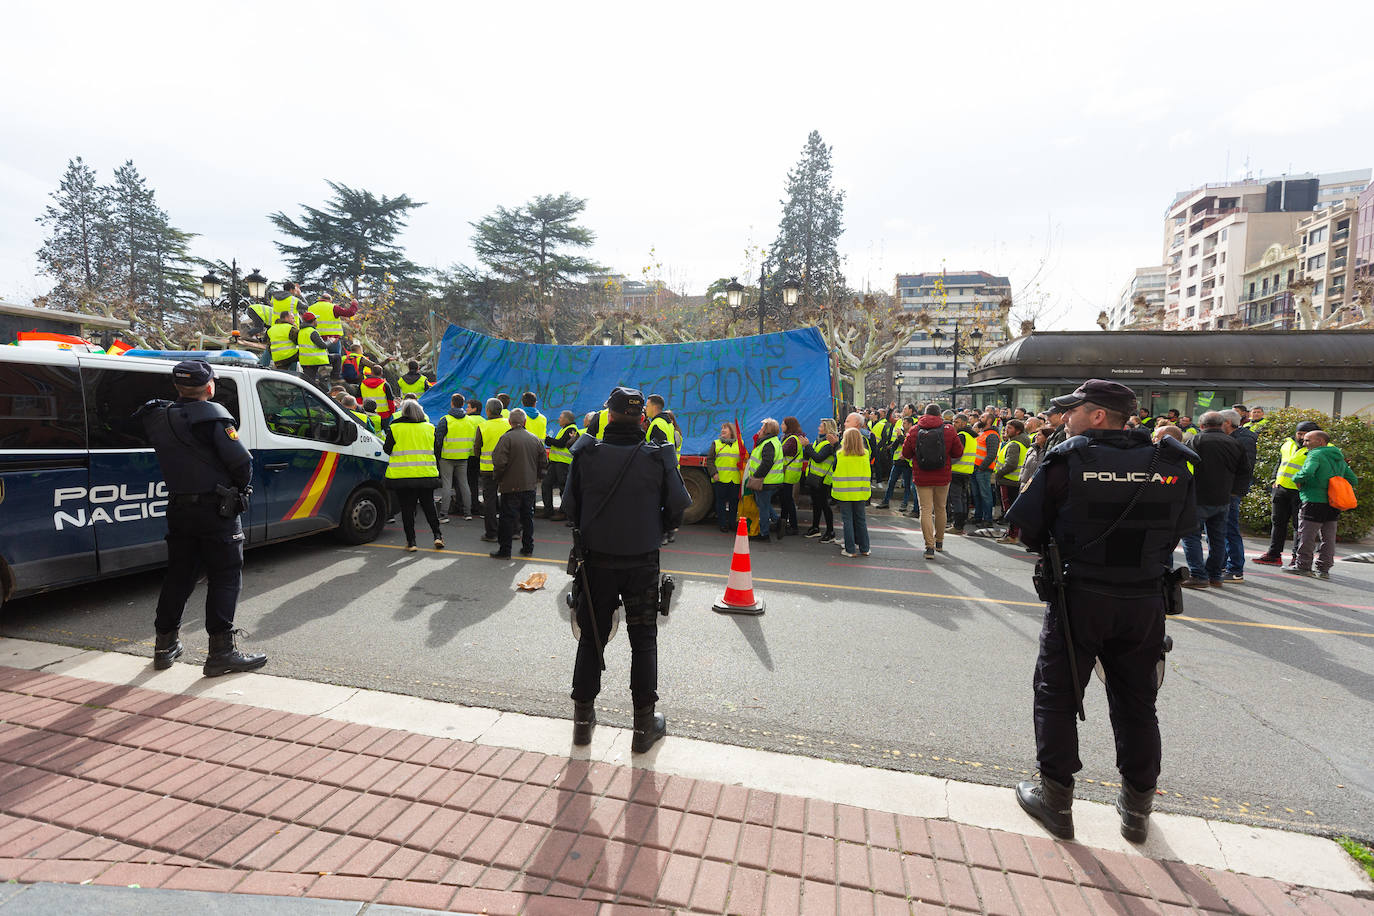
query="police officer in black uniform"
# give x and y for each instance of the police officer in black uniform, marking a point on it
(207, 471)
(622, 495)
(1116, 507)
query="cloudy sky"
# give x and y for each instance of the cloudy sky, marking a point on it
(993, 136)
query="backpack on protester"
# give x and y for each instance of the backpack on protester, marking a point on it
(1340, 494)
(930, 448)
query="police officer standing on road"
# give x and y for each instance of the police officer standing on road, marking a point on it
(207, 471)
(1112, 508)
(623, 493)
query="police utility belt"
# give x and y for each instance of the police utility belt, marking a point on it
(226, 501)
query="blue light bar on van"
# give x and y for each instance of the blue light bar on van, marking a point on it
(214, 357)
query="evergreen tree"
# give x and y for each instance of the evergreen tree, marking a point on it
(526, 249)
(77, 251)
(351, 243)
(808, 234)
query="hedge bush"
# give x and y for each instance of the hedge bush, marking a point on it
(1355, 438)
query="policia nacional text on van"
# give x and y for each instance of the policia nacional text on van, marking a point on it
(1105, 510)
(208, 473)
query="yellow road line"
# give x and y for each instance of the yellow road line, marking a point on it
(1275, 626)
(906, 594)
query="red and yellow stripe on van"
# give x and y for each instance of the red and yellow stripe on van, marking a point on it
(316, 490)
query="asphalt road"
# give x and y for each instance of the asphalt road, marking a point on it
(894, 661)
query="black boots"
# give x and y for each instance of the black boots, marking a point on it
(1050, 803)
(1134, 808)
(167, 649)
(584, 720)
(225, 657)
(649, 727)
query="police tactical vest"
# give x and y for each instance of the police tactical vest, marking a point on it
(460, 434)
(1103, 477)
(413, 453)
(188, 464)
(492, 431)
(632, 522)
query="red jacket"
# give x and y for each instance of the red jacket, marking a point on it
(954, 448)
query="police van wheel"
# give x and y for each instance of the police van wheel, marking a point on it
(703, 495)
(364, 516)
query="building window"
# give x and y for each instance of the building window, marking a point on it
(1316, 236)
(1223, 237)
(1192, 292)
(1192, 252)
(1316, 262)
(1318, 287)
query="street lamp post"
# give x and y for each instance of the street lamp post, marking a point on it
(955, 352)
(734, 296)
(255, 285)
(637, 338)
(897, 380)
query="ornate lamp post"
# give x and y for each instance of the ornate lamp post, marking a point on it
(955, 352)
(255, 285)
(734, 296)
(897, 380)
(607, 338)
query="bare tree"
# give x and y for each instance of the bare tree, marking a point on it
(865, 334)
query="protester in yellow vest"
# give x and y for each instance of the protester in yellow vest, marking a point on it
(489, 432)
(535, 422)
(1284, 496)
(379, 389)
(505, 404)
(455, 435)
(413, 382)
(288, 302)
(412, 473)
(723, 460)
(281, 342)
(658, 430)
(311, 351)
(560, 461)
(764, 475)
(1011, 455)
(852, 487)
(820, 474)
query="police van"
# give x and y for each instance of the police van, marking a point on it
(81, 496)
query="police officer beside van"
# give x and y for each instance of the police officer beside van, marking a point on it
(1111, 507)
(207, 471)
(623, 494)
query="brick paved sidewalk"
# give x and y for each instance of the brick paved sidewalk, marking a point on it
(120, 785)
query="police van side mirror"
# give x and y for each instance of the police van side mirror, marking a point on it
(348, 433)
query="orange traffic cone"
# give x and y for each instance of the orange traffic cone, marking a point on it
(739, 588)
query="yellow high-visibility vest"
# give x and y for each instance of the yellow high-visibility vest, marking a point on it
(326, 322)
(310, 354)
(728, 455)
(966, 462)
(1291, 458)
(852, 480)
(558, 454)
(413, 453)
(775, 473)
(460, 434)
(279, 342)
(492, 431)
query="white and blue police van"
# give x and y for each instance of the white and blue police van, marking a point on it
(81, 495)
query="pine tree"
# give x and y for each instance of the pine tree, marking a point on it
(525, 248)
(812, 221)
(351, 243)
(77, 251)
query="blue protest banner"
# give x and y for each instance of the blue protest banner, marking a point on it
(705, 384)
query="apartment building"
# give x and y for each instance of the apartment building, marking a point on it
(963, 299)
(1267, 302)
(1337, 186)
(1212, 233)
(1146, 281)
(1364, 235)
(1324, 243)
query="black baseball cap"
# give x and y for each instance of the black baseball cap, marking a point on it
(628, 401)
(192, 373)
(1111, 395)
(1307, 426)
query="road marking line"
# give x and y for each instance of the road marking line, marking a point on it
(910, 594)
